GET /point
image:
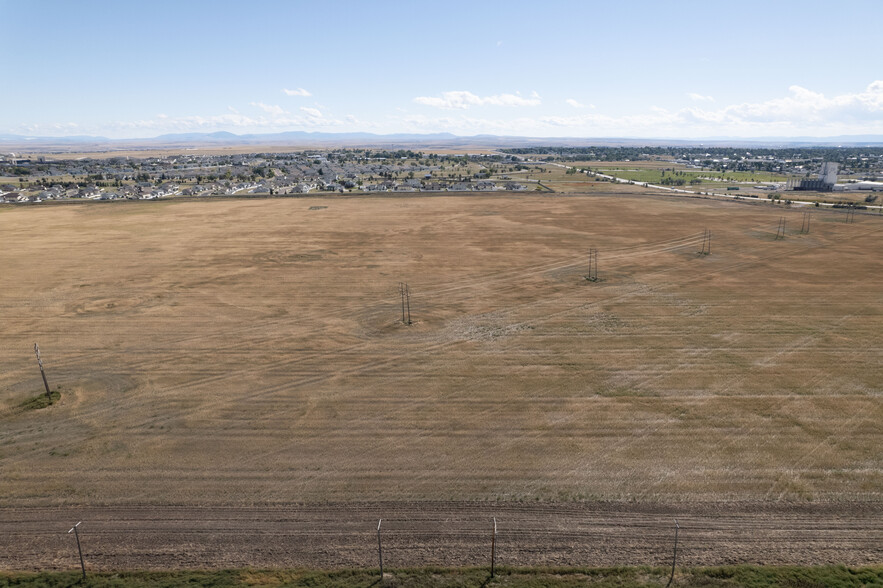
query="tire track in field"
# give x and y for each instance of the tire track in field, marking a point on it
(371, 366)
(627, 442)
(216, 377)
(791, 473)
(284, 363)
(367, 367)
(98, 411)
(357, 307)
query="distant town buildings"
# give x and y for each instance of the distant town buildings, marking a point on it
(255, 174)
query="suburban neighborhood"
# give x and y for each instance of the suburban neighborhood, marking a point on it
(39, 179)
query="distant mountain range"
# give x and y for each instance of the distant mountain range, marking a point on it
(306, 139)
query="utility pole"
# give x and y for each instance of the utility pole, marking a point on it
(79, 549)
(379, 548)
(494, 547)
(804, 227)
(674, 558)
(42, 373)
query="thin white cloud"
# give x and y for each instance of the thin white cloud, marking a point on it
(270, 108)
(462, 99)
(297, 92)
(804, 105)
(237, 122)
(42, 129)
(577, 104)
(699, 97)
(799, 111)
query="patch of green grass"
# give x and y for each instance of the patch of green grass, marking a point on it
(768, 576)
(622, 577)
(40, 401)
(656, 176)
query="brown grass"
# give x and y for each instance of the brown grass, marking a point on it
(250, 351)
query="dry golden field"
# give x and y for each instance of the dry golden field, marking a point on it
(252, 352)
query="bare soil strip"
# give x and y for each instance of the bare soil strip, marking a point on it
(442, 533)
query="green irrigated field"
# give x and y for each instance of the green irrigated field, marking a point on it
(243, 352)
(656, 176)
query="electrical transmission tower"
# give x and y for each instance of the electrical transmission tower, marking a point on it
(593, 265)
(706, 242)
(405, 292)
(42, 372)
(804, 227)
(850, 214)
(780, 231)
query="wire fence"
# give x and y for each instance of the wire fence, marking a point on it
(450, 535)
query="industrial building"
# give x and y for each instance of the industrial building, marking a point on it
(824, 183)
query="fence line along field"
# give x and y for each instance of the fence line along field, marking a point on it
(253, 352)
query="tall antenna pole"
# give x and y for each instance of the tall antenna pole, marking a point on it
(408, 301)
(42, 373)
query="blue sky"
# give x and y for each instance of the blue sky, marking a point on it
(551, 69)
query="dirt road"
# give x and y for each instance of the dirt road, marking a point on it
(441, 533)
